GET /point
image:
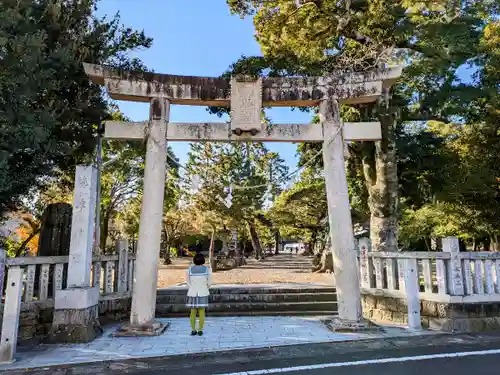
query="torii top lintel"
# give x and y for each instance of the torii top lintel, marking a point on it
(363, 87)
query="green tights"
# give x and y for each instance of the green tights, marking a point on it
(192, 317)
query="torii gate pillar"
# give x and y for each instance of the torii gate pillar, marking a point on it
(142, 316)
(339, 215)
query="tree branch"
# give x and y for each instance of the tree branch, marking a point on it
(26, 241)
(299, 7)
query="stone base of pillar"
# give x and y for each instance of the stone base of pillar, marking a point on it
(73, 326)
(148, 329)
(340, 325)
(76, 316)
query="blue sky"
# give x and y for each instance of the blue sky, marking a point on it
(193, 37)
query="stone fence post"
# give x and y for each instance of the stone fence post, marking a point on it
(412, 290)
(11, 312)
(3, 258)
(455, 273)
(122, 250)
(366, 268)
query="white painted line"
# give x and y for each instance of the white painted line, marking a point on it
(366, 362)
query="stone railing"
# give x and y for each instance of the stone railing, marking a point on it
(470, 277)
(117, 273)
(43, 276)
(381, 271)
(32, 284)
(445, 278)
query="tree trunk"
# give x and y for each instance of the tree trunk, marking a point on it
(494, 242)
(277, 242)
(254, 236)
(323, 262)
(324, 243)
(105, 229)
(311, 244)
(427, 246)
(165, 252)
(211, 255)
(439, 244)
(380, 171)
(167, 258)
(277, 235)
(486, 244)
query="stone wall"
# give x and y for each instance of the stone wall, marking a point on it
(450, 317)
(114, 309)
(36, 318)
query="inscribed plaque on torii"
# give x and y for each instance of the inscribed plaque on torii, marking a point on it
(246, 105)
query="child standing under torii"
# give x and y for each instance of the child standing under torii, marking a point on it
(199, 280)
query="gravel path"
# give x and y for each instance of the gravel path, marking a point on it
(273, 270)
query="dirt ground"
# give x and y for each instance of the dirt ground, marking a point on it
(277, 269)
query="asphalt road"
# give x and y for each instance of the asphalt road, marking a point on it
(437, 355)
(480, 365)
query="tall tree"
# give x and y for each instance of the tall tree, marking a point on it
(121, 180)
(126, 190)
(303, 207)
(435, 37)
(49, 110)
(246, 172)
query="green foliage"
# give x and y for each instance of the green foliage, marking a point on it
(129, 217)
(302, 211)
(447, 171)
(49, 110)
(249, 168)
(10, 244)
(423, 164)
(265, 234)
(465, 198)
(246, 171)
(124, 197)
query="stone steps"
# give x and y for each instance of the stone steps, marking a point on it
(247, 308)
(314, 313)
(253, 289)
(231, 298)
(257, 300)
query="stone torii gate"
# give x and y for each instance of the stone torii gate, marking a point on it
(245, 96)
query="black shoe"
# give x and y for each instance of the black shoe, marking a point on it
(193, 333)
(200, 333)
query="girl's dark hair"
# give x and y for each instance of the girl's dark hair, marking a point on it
(199, 259)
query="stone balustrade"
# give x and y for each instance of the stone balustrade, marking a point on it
(32, 283)
(43, 276)
(477, 274)
(113, 273)
(449, 290)
(39, 283)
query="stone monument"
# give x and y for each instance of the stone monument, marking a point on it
(55, 232)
